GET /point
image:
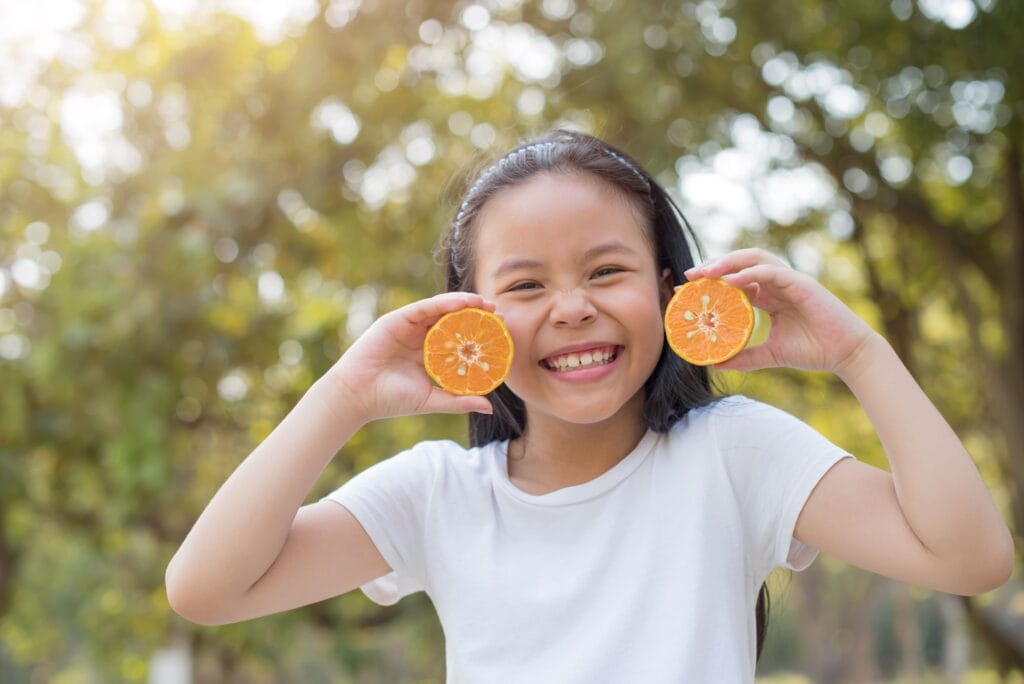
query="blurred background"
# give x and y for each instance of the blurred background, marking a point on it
(203, 203)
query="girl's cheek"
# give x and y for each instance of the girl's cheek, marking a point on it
(512, 318)
(521, 323)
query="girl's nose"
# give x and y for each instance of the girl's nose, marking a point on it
(572, 307)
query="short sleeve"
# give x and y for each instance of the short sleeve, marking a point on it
(774, 460)
(389, 500)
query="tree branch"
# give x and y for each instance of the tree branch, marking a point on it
(896, 326)
(1007, 650)
(1013, 296)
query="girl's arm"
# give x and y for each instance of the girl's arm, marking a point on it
(932, 521)
(240, 536)
(253, 550)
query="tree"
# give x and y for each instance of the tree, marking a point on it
(198, 213)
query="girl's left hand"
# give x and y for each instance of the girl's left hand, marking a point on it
(811, 328)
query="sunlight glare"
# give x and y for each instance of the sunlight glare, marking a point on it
(956, 14)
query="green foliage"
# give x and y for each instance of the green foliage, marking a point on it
(262, 200)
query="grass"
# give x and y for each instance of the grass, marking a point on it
(979, 676)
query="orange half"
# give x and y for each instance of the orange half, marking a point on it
(468, 351)
(708, 321)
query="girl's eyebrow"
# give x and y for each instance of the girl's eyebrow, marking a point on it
(516, 265)
(607, 248)
(595, 251)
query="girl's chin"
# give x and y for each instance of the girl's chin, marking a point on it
(588, 410)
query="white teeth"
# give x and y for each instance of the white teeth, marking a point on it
(589, 358)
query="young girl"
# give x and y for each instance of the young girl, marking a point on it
(613, 520)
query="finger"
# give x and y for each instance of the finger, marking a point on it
(751, 358)
(427, 311)
(753, 291)
(735, 261)
(440, 401)
(763, 283)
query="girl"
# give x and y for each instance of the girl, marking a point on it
(613, 521)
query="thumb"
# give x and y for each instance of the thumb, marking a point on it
(752, 358)
(440, 401)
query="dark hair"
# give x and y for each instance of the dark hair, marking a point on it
(675, 386)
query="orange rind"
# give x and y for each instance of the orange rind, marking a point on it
(468, 352)
(708, 321)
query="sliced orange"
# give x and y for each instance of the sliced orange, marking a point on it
(708, 321)
(468, 351)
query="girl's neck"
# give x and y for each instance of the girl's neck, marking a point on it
(553, 454)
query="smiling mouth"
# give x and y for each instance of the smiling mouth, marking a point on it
(590, 358)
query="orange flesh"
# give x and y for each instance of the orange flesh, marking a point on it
(468, 352)
(708, 321)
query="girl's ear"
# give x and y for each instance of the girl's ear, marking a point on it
(666, 287)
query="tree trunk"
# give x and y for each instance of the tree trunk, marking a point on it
(908, 636)
(8, 565)
(835, 627)
(956, 648)
(1005, 645)
(173, 663)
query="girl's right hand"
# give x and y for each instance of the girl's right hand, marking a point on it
(382, 375)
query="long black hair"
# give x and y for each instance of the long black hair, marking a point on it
(675, 386)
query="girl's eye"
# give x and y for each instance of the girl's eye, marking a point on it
(607, 270)
(519, 287)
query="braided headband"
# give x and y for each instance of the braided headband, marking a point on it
(543, 151)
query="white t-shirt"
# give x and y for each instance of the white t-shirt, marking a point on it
(647, 573)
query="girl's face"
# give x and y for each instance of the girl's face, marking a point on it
(566, 260)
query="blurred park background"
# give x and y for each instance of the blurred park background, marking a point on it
(203, 203)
